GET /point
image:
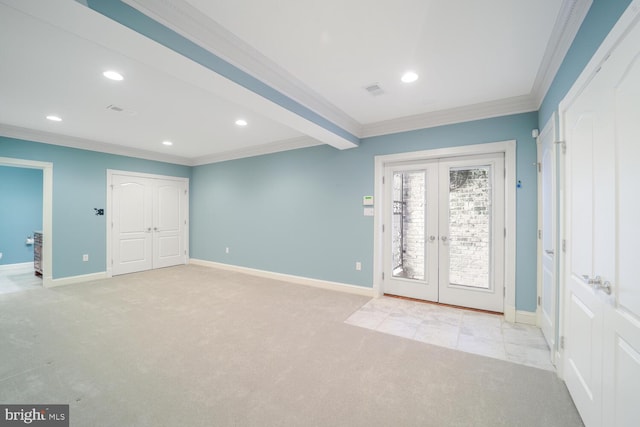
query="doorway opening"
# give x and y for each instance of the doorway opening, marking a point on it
(47, 212)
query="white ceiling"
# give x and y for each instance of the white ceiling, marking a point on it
(475, 59)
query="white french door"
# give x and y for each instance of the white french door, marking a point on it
(444, 231)
(602, 301)
(149, 223)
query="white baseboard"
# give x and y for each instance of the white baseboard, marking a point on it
(75, 279)
(509, 313)
(527, 317)
(19, 266)
(335, 286)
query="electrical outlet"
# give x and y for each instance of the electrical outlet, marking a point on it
(0, 255)
(358, 266)
(85, 257)
(226, 250)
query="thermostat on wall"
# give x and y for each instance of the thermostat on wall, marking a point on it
(367, 200)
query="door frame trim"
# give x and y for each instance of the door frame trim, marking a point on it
(110, 174)
(47, 211)
(549, 128)
(509, 150)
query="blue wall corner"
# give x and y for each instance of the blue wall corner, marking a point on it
(79, 186)
(300, 212)
(602, 16)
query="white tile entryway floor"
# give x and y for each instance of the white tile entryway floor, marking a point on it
(18, 278)
(465, 330)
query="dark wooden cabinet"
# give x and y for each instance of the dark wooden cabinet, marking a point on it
(37, 253)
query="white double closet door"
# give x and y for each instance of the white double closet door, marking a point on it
(444, 231)
(148, 222)
(601, 324)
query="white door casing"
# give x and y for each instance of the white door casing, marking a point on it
(601, 124)
(436, 165)
(548, 236)
(147, 222)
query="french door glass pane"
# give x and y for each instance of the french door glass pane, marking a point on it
(470, 226)
(408, 224)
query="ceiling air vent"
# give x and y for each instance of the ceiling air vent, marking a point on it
(115, 108)
(374, 89)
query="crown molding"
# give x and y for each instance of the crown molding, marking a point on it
(568, 22)
(191, 23)
(87, 144)
(274, 147)
(485, 110)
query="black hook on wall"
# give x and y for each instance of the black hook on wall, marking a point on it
(99, 211)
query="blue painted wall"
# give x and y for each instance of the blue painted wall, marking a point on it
(602, 16)
(79, 185)
(20, 212)
(300, 212)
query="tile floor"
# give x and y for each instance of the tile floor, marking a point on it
(465, 330)
(20, 278)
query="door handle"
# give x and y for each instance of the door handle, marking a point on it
(149, 230)
(549, 251)
(597, 283)
(432, 238)
(155, 228)
(444, 238)
(593, 281)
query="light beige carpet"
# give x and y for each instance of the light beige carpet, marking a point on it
(194, 346)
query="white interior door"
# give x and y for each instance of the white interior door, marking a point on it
(602, 307)
(548, 233)
(131, 215)
(622, 313)
(169, 223)
(149, 222)
(444, 239)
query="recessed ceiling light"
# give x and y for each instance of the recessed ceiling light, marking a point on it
(409, 77)
(54, 118)
(241, 122)
(167, 143)
(113, 75)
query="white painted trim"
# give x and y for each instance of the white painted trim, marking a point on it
(509, 150)
(549, 128)
(87, 144)
(274, 147)
(485, 110)
(63, 281)
(306, 281)
(526, 317)
(568, 22)
(614, 37)
(18, 266)
(191, 23)
(109, 219)
(47, 210)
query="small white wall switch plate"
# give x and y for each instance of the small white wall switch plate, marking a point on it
(358, 266)
(85, 257)
(368, 211)
(226, 250)
(367, 200)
